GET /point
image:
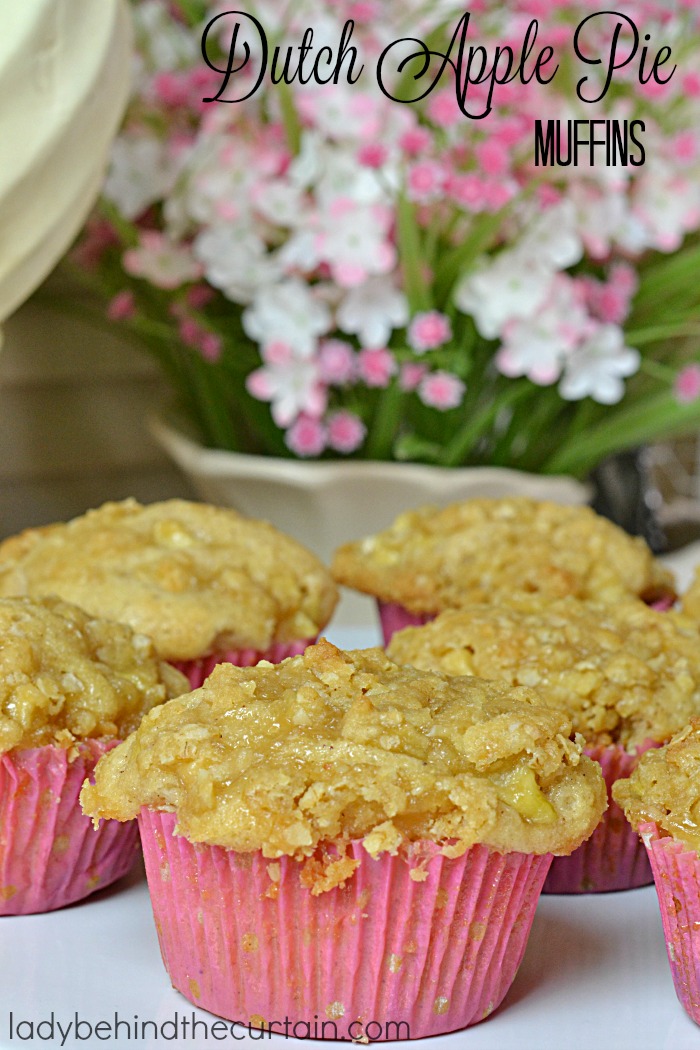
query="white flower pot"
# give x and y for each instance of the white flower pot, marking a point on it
(326, 503)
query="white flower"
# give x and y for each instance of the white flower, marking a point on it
(334, 172)
(289, 313)
(667, 203)
(510, 286)
(163, 262)
(596, 369)
(291, 386)
(354, 242)
(537, 346)
(372, 310)
(280, 202)
(553, 237)
(139, 174)
(236, 260)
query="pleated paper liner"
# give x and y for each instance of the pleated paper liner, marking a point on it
(613, 858)
(388, 955)
(197, 671)
(50, 854)
(393, 618)
(677, 877)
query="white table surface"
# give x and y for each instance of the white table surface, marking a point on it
(595, 972)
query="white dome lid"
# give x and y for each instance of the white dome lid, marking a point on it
(65, 70)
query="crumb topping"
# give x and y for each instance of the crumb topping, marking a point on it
(331, 746)
(66, 676)
(432, 559)
(665, 788)
(197, 579)
(625, 673)
(691, 599)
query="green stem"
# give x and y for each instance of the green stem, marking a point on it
(455, 452)
(411, 257)
(654, 417)
(290, 117)
(385, 422)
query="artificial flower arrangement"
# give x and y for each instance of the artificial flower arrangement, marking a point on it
(323, 271)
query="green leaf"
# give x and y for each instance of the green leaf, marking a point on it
(411, 257)
(455, 452)
(415, 449)
(655, 417)
(462, 258)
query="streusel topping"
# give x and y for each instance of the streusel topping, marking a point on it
(195, 578)
(66, 676)
(625, 673)
(665, 788)
(432, 559)
(691, 599)
(333, 746)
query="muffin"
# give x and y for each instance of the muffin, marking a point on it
(434, 559)
(205, 583)
(628, 676)
(338, 837)
(71, 687)
(691, 599)
(662, 801)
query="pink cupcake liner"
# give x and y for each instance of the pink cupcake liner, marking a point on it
(197, 671)
(393, 618)
(662, 604)
(613, 858)
(50, 854)
(677, 877)
(427, 956)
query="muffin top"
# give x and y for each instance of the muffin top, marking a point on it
(66, 676)
(333, 746)
(433, 559)
(665, 788)
(195, 578)
(625, 673)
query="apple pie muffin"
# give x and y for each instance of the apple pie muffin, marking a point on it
(349, 836)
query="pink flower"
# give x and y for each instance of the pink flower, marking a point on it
(336, 362)
(306, 437)
(194, 335)
(441, 390)
(687, 384)
(425, 181)
(372, 154)
(411, 374)
(690, 84)
(468, 190)
(415, 141)
(277, 352)
(162, 261)
(429, 330)
(199, 296)
(443, 108)
(376, 367)
(610, 300)
(492, 156)
(171, 89)
(364, 10)
(685, 147)
(99, 236)
(122, 307)
(346, 431)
